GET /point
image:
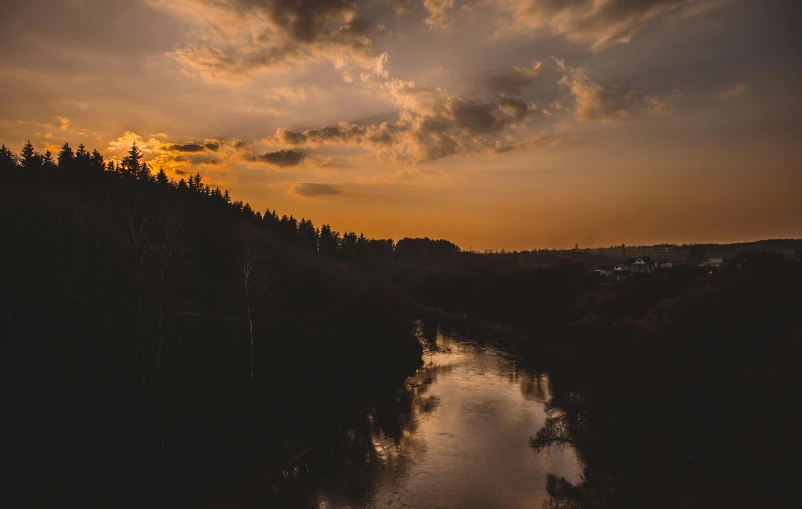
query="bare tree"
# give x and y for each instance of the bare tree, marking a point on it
(167, 249)
(255, 282)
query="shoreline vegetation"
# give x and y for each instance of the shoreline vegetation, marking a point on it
(162, 325)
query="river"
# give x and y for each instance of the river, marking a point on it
(455, 435)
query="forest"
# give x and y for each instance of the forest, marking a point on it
(168, 324)
(159, 325)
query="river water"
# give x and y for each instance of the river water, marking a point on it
(455, 435)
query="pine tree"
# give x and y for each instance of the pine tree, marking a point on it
(8, 160)
(161, 178)
(96, 161)
(65, 157)
(131, 166)
(28, 157)
(82, 158)
(143, 173)
(48, 161)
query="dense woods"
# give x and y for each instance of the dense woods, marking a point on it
(161, 327)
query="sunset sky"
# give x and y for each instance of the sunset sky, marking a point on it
(512, 124)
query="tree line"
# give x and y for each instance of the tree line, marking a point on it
(346, 247)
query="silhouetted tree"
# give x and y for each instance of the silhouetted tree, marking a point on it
(29, 158)
(131, 165)
(307, 235)
(65, 157)
(48, 161)
(7, 159)
(96, 161)
(329, 241)
(82, 158)
(161, 178)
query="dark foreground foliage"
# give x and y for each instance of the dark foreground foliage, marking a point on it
(680, 390)
(160, 340)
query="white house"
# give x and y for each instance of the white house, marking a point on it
(641, 265)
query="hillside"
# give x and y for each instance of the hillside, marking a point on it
(160, 328)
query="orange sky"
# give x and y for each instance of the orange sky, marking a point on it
(512, 124)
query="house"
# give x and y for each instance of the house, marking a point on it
(714, 262)
(605, 270)
(621, 268)
(641, 265)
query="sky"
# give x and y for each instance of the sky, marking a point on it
(514, 124)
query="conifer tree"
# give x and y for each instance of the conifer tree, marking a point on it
(82, 157)
(28, 157)
(48, 161)
(161, 178)
(7, 158)
(96, 161)
(131, 166)
(65, 157)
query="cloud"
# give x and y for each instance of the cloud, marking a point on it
(311, 189)
(401, 6)
(186, 147)
(65, 123)
(281, 158)
(343, 133)
(437, 18)
(595, 23)
(511, 82)
(605, 102)
(737, 90)
(239, 37)
(194, 147)
(518, 109)
(431, 124)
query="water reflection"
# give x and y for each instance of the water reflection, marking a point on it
(454, 435)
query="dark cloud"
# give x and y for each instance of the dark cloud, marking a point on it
(474, 116)
(281, 158)
(212, 146)
(511, 82)
(309, 21)
(186, 147)
(240, 144)
(310, 190)
(344, 132)
(518, 109)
